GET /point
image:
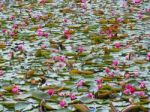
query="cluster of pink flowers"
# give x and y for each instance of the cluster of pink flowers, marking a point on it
(99, 83)
(41, 33)
(59, 58)
(129, 89)
(109, 33)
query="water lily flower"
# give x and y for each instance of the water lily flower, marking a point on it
(126, 91)
(90, 95)
(117, 45)
(43, 46)
(129, 89)
(59, 58)
(115, 63)
(136, 73)
(15, 26)
(65, 20)
(142, 84)
(10, 55)
(83, 1)
(45, 35)
(124, 4)
(55, 50)
(99, 80)
(127, 75)
(127, 57)
(42, 1)
(12, 17)
(40, 32)
(137, 1)
(12, 33)
(62, 103)
(111, 74)
(40, 26)
(60, 65)
(15, 90)
(1, 72)
(141, 93)
(4, 30)
(20, 46)
(148, 9)
(80, 83)
(99, 86)
(80, 49)
(107, 70)
(140, 16)
(51, 92)
(72, 96)
(120, 19)
(67, 34)
(148, 56)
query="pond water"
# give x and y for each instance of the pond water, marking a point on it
(74, 56)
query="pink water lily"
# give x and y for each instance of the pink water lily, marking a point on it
(80, 83)
(137, 1)
(140, 16)
(120, 19)
(99, 80)
(4, 30)
(117, 45)
(60, 65)
(20, 46)
(43, 46)
(90, 95)
(107, 70)
(115, 63)
(15, 90)
(12, 17)
(129, 89)
(62, 103)
(67, 34)
(142, 84)
(72, 96)
(111, 74)
(99, 86)
(15, 26)
(1, 72)
(127, 75)
(65, 20)
(80, 49)
(42, 1)
(83, 1)
(127, 57)
(136, 73)
(148, 56)
(140, 93)
(59, 58)
(51, 92)
(40, 32)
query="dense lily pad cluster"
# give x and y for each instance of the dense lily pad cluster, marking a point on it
(74, 55)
